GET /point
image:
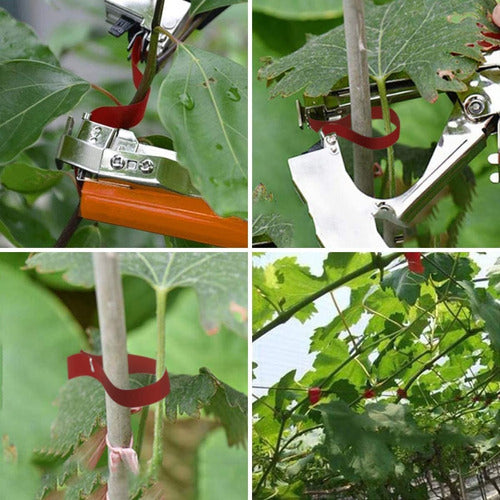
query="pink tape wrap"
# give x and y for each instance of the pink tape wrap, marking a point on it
(118, 454)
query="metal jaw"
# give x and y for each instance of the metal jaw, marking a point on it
(137, 15)
(99, 151)
(347, 218)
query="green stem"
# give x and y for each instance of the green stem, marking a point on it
(150, 71)
(391, 172)
(286, 315)
(140, 431)
(274, 459)
(161, 304)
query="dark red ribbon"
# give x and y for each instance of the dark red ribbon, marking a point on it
(84, 364)
(414, 260)
(343, 129)
(125, 116)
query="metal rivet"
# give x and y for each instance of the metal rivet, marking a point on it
(117, 162)
(475, 104)
(146, 166)
(95, 134)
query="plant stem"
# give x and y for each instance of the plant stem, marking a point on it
(140, 431)
(106, 93)
(70, 229)
(157, 458)
(274, 459)
(359, 88)
(150, 71)
(384, 102)
(390, 231)
(286, 315)
(111, 311)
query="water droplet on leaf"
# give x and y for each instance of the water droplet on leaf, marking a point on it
(233, 94)
(186, 100)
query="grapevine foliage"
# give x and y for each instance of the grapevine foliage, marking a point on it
(409, 376)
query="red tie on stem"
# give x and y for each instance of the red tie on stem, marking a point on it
(343, 129)
(414, 260)
(314, 395)
(125, 116)
(84, 364)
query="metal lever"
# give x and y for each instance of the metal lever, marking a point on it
(104, 152)
(137, 15)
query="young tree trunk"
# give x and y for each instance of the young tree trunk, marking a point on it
(110, 307)
(359, 86)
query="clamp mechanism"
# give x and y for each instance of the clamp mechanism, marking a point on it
(346, 217)
(136, 17)
(98, 151)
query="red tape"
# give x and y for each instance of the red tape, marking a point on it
(343, 129)
(125, 116)
(84, 364)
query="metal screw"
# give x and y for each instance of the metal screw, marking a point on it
(146, 166)
(117, 162)
(475, 104)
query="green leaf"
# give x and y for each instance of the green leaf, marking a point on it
(86, 237)
(31, 376)
(364, 443)
(220, 279)
(19, 41)
(203, 106)
(405, 284)
(69, 35)
(29, 179)
(413, 38)
(273, 227)
(487, 308)
(190, 394)
(300, 10)
(32, 95)
(199, 6)
(282, 284)
(82, 410)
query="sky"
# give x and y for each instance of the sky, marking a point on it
(286, 347)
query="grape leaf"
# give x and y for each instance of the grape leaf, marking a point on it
(413, 38)
(203, 106)
(220, 279)
(189, 394)
(19, 41)
(364, 443)
(82, 410)
(487, 308)
(405, 284)
(32, 93)
(281, 285)
(299, 10)
(199, 6)
(274, 227)
(29, 179)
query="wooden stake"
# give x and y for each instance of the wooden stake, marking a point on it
(111, 311)
(359, 84)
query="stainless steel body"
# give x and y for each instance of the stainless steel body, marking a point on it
(345, 217)
(104, 152)
(175, 14)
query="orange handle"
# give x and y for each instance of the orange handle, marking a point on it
(160, 211)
